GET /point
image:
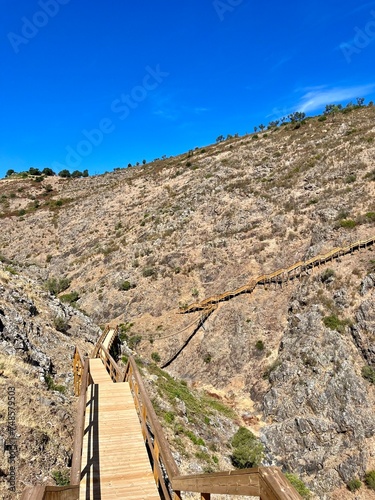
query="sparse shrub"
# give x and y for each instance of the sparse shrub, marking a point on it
(351, 178)
(124, 330)
(322, 118)
(371, 216)
(354, 485)
(134, 341)
(370, 175)
(155, 357)
(299, 485)
(52, 386)
(247, 449)
(57, 285)
(370, 479)
(195, 292)
(149, 271)
(347, 223)
(61, 324)
(259, 345)
(194, 439)
(70, 298)
(125, 286)
(21, 212)
(169, 417)
(334, 323)
(327, 274)
(61, 477)
(368, 373)
(207, 358)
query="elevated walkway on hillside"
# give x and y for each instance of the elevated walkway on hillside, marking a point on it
(114, 463)
(120, 450)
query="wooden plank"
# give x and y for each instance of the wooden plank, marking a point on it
(33, 493)
(245, 482)
(274, 486)
(98, 373)
(115, 462)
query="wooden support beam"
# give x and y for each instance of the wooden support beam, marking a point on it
(273, 485)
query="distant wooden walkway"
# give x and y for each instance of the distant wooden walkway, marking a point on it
(114, 463)
(280, 276)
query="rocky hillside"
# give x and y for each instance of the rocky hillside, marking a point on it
(38, 334)
(139, 243)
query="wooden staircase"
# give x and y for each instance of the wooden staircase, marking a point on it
(115, 463)
(120, 450)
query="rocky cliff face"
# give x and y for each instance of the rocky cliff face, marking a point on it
(319, 409)
(35, 360)
(138, 243)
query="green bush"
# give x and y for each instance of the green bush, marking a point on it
(370, 479)
(125, 286)
(348, 223)
(149, 271)
(194, 439)
(370, 175)
(259, 345)
(207, 358)
(169, 417)
(298, 485)
(155, 357)
(334, 323)
(61, 477)
(70, 298)
(351, 178)
(57, 285)
(247, 449)
(52, 386)
(368, 373)
(327, 274)
(354, 485)
(61, 324)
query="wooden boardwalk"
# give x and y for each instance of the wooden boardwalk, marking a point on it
(115, 462)
(110, 459)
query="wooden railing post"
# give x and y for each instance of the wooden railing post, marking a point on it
(75, 471)
(273, 485)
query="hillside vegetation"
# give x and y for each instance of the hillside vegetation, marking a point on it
(137, 245)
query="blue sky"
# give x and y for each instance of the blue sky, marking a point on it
(97, 85)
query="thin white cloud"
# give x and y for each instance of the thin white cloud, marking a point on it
(281, 63)
(316, 98)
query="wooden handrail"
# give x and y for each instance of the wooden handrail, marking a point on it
(44, 492)
(235, 482)
(151, 429)
(110, 364)
(75, 471)
(78, 364)
(266, 482)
